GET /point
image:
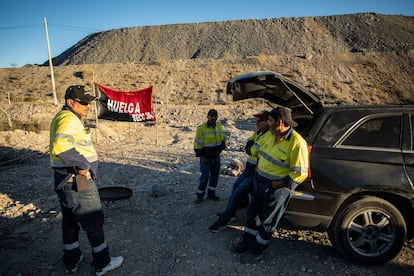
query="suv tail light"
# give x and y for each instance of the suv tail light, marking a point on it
(309, 167)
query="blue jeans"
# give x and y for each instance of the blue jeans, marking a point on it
(209, 175)
(269, 204)
(241, 190)
(82, 208)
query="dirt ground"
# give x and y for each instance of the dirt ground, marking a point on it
(168, 234)
(159, 231)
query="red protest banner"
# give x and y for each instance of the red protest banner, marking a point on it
(132, 106)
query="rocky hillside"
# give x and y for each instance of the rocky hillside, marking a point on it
(348, 59)
(365, 32)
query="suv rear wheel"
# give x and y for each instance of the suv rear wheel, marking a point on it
(368, 231)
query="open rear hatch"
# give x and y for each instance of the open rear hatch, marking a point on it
(275, 88)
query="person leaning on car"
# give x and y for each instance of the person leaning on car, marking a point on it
(75, 164)
(243, 185)
(282, 165)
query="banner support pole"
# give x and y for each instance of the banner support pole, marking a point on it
(95, 103)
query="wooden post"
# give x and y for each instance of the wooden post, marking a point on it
(50, 64)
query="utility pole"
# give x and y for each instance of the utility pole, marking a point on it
(50, 64)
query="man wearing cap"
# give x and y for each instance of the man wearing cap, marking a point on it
(282, 166)
(244, 183)
(208, 145)
(75, 164)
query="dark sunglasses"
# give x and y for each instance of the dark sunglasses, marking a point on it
(82, 102)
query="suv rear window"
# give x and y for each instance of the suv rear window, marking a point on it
(383, 132)
(336, 125)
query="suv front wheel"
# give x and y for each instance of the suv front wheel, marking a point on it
(368, 231)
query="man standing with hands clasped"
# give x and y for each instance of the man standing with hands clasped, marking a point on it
(282, 166)
(75, 164)
(208, 145)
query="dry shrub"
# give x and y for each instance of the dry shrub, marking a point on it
(29, 99)
(403, 95)
(160, 60)
(227, 56)
(27, 126)
(87, 74)
(262, 58)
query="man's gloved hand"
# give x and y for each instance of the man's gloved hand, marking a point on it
(250, 169)
(249, 144)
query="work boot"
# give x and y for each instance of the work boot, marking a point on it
(198, 200)
(72, 258)
(244, 244)
(215, 227)
(114, 263)
(251, 257)
(213, 197)
(74, 268)
(219, 215)
(254, 254)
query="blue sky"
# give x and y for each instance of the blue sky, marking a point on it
(23, 38)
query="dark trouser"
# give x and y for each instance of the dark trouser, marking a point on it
(269, 205)
(241, 190)
(84, 209)
(209, 175)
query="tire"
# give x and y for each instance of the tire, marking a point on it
(368, 231)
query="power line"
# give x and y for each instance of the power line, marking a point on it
(74, 28)
(21, 27)
(58, 26)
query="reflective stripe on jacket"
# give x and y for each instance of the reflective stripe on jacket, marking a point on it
(257, 138)
(209, 141)
(287, 157)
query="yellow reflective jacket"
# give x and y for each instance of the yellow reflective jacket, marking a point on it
(287, 157)
(209, 141)
(70, 142)
(256, 138)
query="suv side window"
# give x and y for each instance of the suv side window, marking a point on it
(383, 132)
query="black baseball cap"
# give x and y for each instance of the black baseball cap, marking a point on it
(283, 113)
(79, 92)
(212, 112)
(262, 116)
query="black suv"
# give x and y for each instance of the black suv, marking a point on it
(360, 187)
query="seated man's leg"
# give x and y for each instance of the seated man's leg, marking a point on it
(238, 181)
(237, 198)
(274, 206)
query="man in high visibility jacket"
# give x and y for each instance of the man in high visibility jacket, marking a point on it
(244, 183)
(282, 165)
(208, 145)
(75, 164)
